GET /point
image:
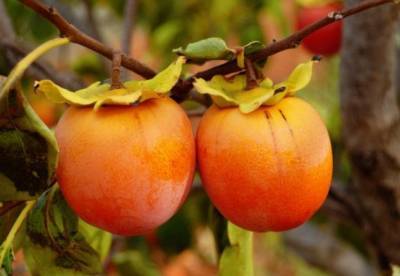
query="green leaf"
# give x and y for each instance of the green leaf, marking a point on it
(28, 148)
(98, 94)
(98, 239)
(54, 245)
(213, 48)
(6, 266)
(252, 47)
(237, 259)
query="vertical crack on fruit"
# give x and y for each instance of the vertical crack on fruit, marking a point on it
(275, 145)
(298, 156)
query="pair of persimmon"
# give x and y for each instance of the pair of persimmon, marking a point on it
(128, 169)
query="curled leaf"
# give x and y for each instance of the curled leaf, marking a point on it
(162, 83)
(233, 92)
(300, 77)
(98, 94)
(213, 48)
(252, 99)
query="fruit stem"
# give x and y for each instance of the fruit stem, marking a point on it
(116, 70)
(251, 74)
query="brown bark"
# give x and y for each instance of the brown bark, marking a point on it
(371, 126)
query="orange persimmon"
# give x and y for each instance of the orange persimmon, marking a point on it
(126, 169)
(266, 170)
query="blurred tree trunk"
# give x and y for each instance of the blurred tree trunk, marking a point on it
(371, 126)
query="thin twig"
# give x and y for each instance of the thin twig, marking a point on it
(76, 36)
(289, 42)
(13, 51)
(183, 87)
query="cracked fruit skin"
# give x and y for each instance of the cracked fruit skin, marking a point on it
(126, 169)
(326, 41)
(269, 170)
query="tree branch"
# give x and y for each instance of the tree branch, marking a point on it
(13, 53)
(289, 42)
(183, 87)
(76, 36)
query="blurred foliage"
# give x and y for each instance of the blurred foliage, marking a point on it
(23, 19)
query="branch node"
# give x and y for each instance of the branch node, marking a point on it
(52, 10)
(335, 15)
(295, 44)
(317, 58)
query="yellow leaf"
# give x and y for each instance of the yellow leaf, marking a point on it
(300, 77)
(98, 94)
(203, 87)
(252, 99)
(232, 93)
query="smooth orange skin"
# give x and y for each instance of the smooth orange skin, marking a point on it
(126, 169)
(269, 170)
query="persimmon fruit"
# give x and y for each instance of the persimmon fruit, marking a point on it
(126, 169)
(268, 170)
(326, 41)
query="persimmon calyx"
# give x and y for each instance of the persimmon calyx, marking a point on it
(98, 93)
(233, 92)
